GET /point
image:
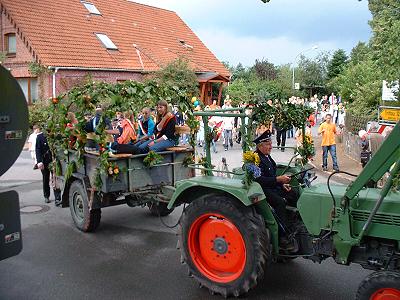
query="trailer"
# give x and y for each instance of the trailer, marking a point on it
(134, 185)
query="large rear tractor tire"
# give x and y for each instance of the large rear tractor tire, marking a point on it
(85, 220)
(383, 285)
(159, 209)
(225, 244)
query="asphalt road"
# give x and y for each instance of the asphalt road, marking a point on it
(132, 256)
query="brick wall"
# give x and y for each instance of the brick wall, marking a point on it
(18, 63)
(66, 79)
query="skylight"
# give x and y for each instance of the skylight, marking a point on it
(107, 42)
(91, 8)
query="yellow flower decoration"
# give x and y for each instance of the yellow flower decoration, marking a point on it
(251, 157)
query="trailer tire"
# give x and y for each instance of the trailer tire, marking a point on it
(378, 285)
(225, 244)
(159, 209)
(85, 220)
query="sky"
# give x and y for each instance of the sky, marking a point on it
(246, 30)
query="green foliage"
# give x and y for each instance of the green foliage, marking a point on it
(71, 168)
(312, 73)
(360, 85)
(385, 25)
(240, 72)
(265, 70)
(306, 150)
(246, 90)
(152, 159)
(39, 114)
(284, 79)
(36, 69)
(3, 56)
(337, 64)
(359, 53)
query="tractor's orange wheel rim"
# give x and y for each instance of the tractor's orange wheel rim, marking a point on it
(217, 248)
(386, 294)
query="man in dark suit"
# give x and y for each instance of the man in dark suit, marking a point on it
(44, 158)
(276, 188)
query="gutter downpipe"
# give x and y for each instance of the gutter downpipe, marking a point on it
(54, 82)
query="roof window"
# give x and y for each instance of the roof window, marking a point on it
(184, 44)
(107, 42)
(91, 8)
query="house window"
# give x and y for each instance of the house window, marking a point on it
(107, 42)
(91, 8)
(11, 44)
(29, 87)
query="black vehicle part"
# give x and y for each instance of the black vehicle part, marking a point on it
(85, 220)
(378, 285)
(159, 209)
(376, 254)
(232, 260)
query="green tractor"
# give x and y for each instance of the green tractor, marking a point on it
(228, 232)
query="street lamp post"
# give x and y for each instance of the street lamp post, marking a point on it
(315, 47)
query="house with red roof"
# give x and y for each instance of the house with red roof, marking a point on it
(50, 46)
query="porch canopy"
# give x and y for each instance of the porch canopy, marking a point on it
(206, 81)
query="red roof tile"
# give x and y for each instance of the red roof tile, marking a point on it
(62, 33)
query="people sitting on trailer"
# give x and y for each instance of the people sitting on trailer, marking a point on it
(276, 188)
(128, 134)
(91, 125)
(90, 128)
(164, 131)
(146, 127)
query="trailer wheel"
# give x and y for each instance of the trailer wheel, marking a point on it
(384, 285)
(85, 220)
(225, 244)
(159, 209)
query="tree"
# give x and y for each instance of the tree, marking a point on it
(360, 85)
(337, 64)
(265, 70)
(241, 72)
(359, 53)
(385, 25)
(313, 73)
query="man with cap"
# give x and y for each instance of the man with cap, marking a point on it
(276, 188)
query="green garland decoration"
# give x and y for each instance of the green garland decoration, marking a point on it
(152, 159)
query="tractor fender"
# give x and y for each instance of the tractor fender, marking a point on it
(191, 189)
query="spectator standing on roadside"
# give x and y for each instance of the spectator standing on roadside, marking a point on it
(328, 131)
(375, 138)
(281, 137)
(32, 144)
(342, 114)
(228, 127)
(44, 158)
(365, 154)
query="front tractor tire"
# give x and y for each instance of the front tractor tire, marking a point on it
(383, 285)
(85, 220)
(225, 244)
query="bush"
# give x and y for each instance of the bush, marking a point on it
(39, 113)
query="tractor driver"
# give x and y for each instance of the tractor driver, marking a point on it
(276, 188)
